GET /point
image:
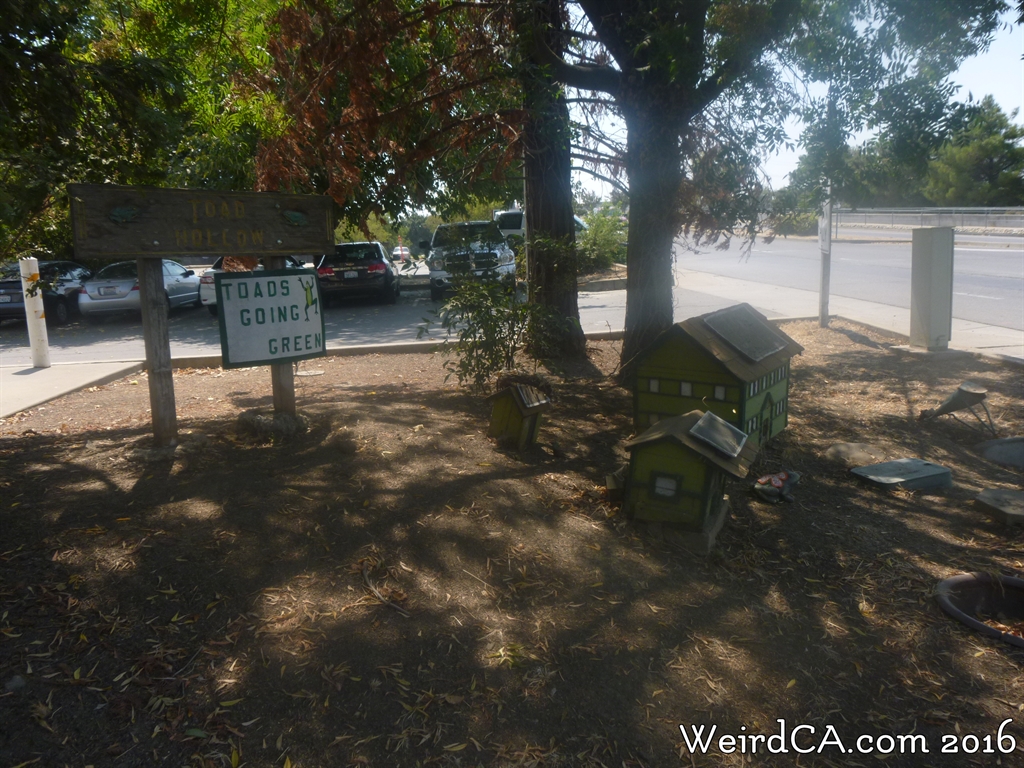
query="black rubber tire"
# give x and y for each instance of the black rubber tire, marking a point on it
(167, 304)
(212, 308)
(390, 295)
(436, 294)
(60, 313)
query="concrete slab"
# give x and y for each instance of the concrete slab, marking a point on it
(1002, 505)
(22, 388)
(1008, 451)
(909, 474)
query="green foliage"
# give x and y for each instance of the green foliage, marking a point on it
(978, 163)
(983, 165)
(603, 243)
(490, 322)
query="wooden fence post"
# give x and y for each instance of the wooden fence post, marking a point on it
(157, 338)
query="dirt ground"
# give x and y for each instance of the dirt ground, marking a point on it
(394, 589)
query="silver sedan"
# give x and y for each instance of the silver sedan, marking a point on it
(115, 288)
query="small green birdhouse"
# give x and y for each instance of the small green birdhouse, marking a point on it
(678, 468)
(515, 414)
(732, 362)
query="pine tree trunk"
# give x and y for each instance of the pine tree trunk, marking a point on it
(551, 231)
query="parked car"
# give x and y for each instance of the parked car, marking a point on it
(358, 269)
(401, 253)
(207, 284)
(470, 247)
(115, 288)
(60, 282)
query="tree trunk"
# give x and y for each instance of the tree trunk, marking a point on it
(551, 230)
(653, 162)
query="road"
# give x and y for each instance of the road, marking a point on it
(988, 288)
(988, 280)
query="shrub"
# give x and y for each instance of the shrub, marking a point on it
(486, 322)
(603, 243)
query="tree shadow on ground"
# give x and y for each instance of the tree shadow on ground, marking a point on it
(228, 599)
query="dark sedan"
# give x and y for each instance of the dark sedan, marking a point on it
(358, 269)
(60, 282)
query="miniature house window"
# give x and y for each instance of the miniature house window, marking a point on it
(752, 425)
(719, 392)
(753, 389)
(685, 389)
(652, 385)
(780, 407)
(666, 487)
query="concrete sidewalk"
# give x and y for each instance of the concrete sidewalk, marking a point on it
(777, 301)
(23, 387)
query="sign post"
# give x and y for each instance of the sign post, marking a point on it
(35, 312)
(825, 247)
(149, 224)
(155, 334)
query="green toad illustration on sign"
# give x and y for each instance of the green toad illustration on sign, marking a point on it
(269, 317)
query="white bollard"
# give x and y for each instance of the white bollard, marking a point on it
(35, 314)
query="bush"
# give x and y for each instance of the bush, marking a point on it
(489, 320)
(603, 243)
(795, 223)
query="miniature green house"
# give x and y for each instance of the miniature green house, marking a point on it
(732, 362)
(678, 468)
(515, 414)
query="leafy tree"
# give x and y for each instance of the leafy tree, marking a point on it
(682, 75)
(133, 92)
(71, 108)
(981, 165)
(390, 105)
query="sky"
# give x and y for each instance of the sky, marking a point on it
(999, 72)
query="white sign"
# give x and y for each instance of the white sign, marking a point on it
(269, 317)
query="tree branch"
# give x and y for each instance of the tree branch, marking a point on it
(730, 70)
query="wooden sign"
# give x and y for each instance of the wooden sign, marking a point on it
(117, 222)
(269, 317)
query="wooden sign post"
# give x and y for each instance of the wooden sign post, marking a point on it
(149, 224)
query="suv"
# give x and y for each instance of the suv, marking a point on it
(475, 248)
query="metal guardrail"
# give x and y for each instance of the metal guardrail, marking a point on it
(984, 218)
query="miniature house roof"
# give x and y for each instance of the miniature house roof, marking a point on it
(741, 339)
(527, 399)
(680, 429)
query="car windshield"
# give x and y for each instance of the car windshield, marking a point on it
(470, 232)
(358, 253)
(120, 271)
(10, 272)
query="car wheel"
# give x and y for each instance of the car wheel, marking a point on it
(390, 294)
(198, 302)
(436, 294)
(167, 304)
(212, 309)
(60, 312)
